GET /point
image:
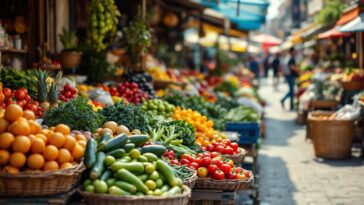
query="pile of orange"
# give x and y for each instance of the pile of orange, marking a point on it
(25, 146)
(205, 134)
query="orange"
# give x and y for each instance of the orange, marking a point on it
(6, 140)
(34, 127)
(21, 144)
(50, 166)
(29, 115)
(57, 139)
(52, 128)
(66, 165)
(13, 112)
(44, 132)
(70, 142)
(64, 156)
(81, 137)
(35, 161)
(38, 145)
(11, 170)
(31, 137)
(51, 152)
(4, 157)
(62, 128)
(20, 127)
(49, 133)
(41, 136)
(17, 159)
(77, 152)
(82, 143)
(3, 125)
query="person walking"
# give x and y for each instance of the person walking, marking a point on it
(266, 64)
(254, 66)
(276, 67)
(291, 72)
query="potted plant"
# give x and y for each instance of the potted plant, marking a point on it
(70, 57)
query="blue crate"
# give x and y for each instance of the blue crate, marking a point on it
(248, 131)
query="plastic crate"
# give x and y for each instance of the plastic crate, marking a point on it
(248, 131)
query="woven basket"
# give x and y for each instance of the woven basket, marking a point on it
(226, 184)
(332, 139)
(323, 104)
(191, 181)
(237, 158)
(352, 85)
(105, 199)
(40, 183)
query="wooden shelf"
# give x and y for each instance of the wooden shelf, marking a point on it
(13, 50)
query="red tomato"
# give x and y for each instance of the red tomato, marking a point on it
(246, 173)
(206, 161)
(185, 161)
(210, 147)
(232, 175)
(227, 142)
(186, 156)
(212, 168)
(174, 162)
(27, 98)
(20, 94)
(202, 172)
(9, 101)
(36, 103)
(194, 165)
(235, 146)
(63, 98)
(7, 92)
(225, 168)
(68, 94)
(239, 169)
(241, 176)
(20, 103)
(214, 154)
(39, 112)
(220, 149)
(206, 154)
(198, 160)
(216, 162)
(67, 87)
(33, 108)
(199, 155)
(229, 150)
(24, 90)
(219, 175)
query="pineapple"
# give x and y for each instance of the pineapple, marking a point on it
(54, 91)
(42, 87)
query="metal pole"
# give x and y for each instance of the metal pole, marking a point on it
(144, 8)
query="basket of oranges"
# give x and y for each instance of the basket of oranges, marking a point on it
(35, 161)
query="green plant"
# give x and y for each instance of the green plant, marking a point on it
(54, 89)
(330, 12)
(68, 39)
(137, 38)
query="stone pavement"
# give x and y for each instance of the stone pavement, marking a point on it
(289, 172)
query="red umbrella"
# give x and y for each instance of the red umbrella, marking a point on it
(267, 41)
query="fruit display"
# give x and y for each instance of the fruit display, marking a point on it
(26, 146)
(144, 81)
(103, 21)
(68, 93)
(159, 107)
(158, 74)
(130, 91)
(353, 75)
(15, 79)
(21, 97)
(123, 166)
(113, 129)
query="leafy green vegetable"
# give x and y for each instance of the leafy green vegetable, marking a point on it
(242, 114)
(129, 115)
(169, 132)
(76, 113)
(15, 79)
(226, 102)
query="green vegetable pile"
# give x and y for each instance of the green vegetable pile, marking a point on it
(159, 107)
(227, 87)
(15, 79)
(226, 102)
(242, 114)
(76, 113)
(182, 171)
(129, 115)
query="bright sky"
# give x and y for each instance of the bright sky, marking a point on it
(273, 8)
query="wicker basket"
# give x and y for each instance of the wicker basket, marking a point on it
(323, 104)
(105, 199)
(226, 184)
(332, 139)
(191, 181)
(237, 158)
(40, 183)
(352, 85)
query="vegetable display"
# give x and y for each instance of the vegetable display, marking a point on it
(129, 91)
(242, 114)
(159, 107)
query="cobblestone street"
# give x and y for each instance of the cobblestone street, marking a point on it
(289, 172)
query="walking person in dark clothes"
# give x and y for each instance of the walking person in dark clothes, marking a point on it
(266, 65)
(276, 67)
(291, 72)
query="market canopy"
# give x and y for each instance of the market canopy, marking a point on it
(348, 16)
(356, 25)
(332, 33)
(267, 41)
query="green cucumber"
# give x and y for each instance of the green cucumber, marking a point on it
(142, 159)
(106, 137)
(165, 188)
(114, 190)
(167, 172)
(138, 140)
(128, 146)
(118, 153)
(125, 159)
(98, 167)
(158, 150)
(90, 153)
(135, 167)
(151, 157)
(143, 177)
(175, 190)
(126, 186)
(110, 181)
(105, 175)
(114, 143)
(127, 176)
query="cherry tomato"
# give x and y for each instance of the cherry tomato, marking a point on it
(7, 92)
(206, 161)
(20, 94)
(174, 162)
(202, 172)
(185, 161)
(198, 160)
(235, 146)
(194, 165)
(212, 168)
(219, 175)
(207, 154)
(27, 98)
(246, 173)
(225, 168)
(227, 142)
(24, 90)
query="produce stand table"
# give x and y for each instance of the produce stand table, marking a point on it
(213, 197)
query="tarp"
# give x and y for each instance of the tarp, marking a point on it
(348, 16)
(356, 25)
(332, 33)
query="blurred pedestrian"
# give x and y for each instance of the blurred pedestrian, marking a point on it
(254, 66)
(266, 64)
(276, 64)
(291, 72)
